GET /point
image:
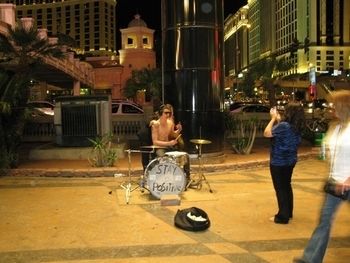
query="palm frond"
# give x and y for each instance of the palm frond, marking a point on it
(5, 45)
(23, 36)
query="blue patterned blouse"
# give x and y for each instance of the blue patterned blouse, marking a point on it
(284, 146)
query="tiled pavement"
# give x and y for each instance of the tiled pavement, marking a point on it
(87, 220)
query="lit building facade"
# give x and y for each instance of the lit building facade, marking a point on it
(236, 30)
(91, 23)
(321, 27)
(267, 37)
(236, 38)
(136, 53)
(254, 31)
(137, 49)
(107, 72)
(326, 24)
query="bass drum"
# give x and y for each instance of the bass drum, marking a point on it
(179, 157)
(163, 176)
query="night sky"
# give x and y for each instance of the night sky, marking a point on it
(150, 12)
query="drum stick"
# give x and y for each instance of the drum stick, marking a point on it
(178, 136)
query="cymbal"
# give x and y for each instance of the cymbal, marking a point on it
(200, 141)
(152, 147)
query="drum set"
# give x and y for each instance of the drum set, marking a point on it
(164, 175)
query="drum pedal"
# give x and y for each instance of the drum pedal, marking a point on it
(196, 185)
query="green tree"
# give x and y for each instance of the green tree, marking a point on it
(266, 71)
(149, 80)
(294, 46)
(21, 51)
(306, 44)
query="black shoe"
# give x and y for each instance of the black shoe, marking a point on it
(279, 220)
(298, 260)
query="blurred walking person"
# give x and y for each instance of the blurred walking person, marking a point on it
(338, 145)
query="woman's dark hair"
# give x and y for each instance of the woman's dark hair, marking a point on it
(294, 115)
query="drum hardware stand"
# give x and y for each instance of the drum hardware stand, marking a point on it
(197, 183)
(128, 186)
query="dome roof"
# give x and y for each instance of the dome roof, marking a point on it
(137, 22)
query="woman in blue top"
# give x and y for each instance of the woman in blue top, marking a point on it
(285, 134)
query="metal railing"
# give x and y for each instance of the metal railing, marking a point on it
(124, 128)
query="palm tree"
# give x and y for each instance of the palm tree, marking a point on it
(144, 79)
(21, 51)
(267, 71)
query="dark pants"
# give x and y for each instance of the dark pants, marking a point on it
(281, 179)
(147, 157)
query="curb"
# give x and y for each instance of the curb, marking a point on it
(119, 172)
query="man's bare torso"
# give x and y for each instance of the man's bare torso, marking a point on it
(162, 130)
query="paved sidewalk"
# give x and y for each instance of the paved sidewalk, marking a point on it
(87, 220)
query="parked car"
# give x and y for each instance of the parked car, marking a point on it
(236, 105)
(120, 107)
(44, 108)
(318, 105)
(252, 108)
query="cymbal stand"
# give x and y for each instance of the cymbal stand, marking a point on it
(128, 185)
(197, 183)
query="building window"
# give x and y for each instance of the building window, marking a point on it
(145, 41)
(130, 41)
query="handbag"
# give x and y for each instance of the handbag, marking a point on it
(192, 219)
(330, 188)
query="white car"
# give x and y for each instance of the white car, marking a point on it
(252, 108)
(126, 108)
(42, 107)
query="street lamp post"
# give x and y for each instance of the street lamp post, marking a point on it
(240, 76)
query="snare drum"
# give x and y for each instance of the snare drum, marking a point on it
(164, 176)
(179, 157)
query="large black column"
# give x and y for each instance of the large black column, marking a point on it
(192, 35)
